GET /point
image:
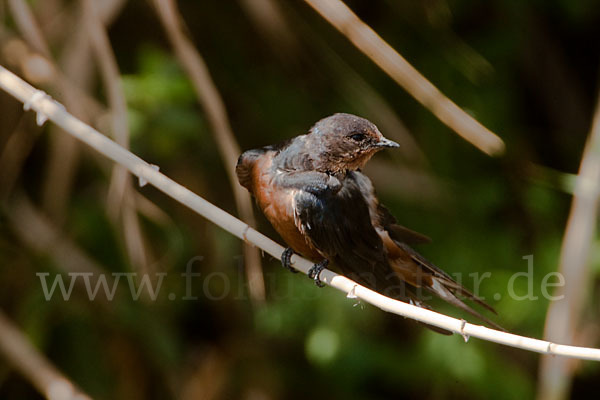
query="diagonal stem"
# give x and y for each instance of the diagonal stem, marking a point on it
(407, 76)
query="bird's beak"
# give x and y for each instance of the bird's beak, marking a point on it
(387, 143)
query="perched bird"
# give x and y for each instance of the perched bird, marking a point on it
(312, 191)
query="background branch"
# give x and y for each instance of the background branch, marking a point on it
(120, 186)
(211, 101)
(389, 60)
(355, 90)
(76, 63)
(44, 376)
(27, 25)
(562, 320)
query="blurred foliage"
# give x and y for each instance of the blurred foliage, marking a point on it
(526, 70)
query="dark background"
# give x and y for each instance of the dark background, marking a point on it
(526, 70)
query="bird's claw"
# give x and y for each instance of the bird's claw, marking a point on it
(286, 259)
(315, 271)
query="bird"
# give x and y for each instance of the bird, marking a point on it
(312, 191)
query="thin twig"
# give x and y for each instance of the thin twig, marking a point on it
(27, 25)
(389, 60)
(562, 320)
(211, 101)
(120, 185)
(36, 368)
(109, 70)
(60, 26)
(53, 110)
(77, 63)
(62, 150)
(51, 75)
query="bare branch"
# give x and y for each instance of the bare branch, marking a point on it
(63, 150)
(77, 63)
(41, 70)
(389, 60)
(44, 105)
(77, 66)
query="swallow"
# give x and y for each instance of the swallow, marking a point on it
(312, 190)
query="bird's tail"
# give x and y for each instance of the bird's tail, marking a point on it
(441, 284)
(447, 290)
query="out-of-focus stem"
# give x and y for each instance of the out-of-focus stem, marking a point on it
(211, 101)
(21, 355)
(562, 320)
(396, 66)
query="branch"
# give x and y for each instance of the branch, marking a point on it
(25, 358)
(51, 109)
(389, 60)
(562, 320)
(63, 149)
(76, 65)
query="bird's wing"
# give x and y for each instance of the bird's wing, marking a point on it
(336, 221)
(409, 265)
(419, 272)
(397, 231)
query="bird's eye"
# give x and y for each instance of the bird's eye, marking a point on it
(358, 137)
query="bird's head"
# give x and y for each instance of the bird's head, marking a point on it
(345, 142)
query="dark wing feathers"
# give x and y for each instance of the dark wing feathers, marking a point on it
(352, 244)
(322, 207)
(398, 232)
(447, 288)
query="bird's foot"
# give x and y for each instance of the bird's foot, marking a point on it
(286, 259)
(315, 271)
